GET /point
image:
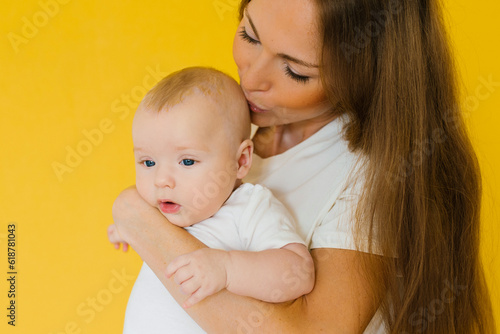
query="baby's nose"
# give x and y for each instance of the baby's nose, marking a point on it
(164, 178)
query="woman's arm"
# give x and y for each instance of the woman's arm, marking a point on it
(273, 275)
(339, 303)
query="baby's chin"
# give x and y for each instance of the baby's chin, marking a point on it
(181, 219)
(175, 220)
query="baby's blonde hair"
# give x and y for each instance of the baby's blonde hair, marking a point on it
(223, 90)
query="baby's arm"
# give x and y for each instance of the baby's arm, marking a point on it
(274, 275)
(115, 238)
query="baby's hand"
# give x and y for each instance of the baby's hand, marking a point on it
(200, 273)
(115, 238)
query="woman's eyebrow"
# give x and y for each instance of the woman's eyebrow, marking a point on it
(297, 61)
(282, 55)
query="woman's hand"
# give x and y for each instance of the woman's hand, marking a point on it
(115, 238)
(338, 279)
(129, 211)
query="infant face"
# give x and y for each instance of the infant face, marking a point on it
(185, 165)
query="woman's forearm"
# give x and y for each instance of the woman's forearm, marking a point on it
(158, 242)
(339, 302)
(333, 306)
(274, 275)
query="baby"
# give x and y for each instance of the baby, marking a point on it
(192, 146)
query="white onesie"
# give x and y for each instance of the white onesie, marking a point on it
(251, 220)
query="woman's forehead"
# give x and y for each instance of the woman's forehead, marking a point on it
(287, 27)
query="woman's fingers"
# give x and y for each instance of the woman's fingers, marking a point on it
(125, 247)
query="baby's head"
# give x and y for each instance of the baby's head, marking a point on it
(192, 144)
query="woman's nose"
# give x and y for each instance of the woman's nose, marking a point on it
(164, 178)
(256, 77)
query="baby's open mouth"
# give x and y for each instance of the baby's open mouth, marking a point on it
(169, 207)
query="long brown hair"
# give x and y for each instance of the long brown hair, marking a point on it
(387, 65)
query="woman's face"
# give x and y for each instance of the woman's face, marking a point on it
(277, 51)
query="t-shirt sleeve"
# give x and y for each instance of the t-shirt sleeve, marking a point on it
(337, 229)
(266, 223)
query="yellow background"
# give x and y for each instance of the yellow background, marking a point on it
(73, 70)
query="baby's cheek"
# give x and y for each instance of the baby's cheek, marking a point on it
(145, 192)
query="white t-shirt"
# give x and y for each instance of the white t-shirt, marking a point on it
(308, 179)
(252, 219)
(315, 180)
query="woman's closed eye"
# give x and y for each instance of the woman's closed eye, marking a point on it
(288, 71)
(246, 37)
(297, 77)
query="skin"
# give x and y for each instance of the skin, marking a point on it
(184, 159)
(187, 170)
(287, 99)
(287, 112)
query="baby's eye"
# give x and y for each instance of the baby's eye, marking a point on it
(149, 163)
(187, 162)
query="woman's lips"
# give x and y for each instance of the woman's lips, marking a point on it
(169, 207)
(254, 108)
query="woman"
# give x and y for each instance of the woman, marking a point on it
(360, 135)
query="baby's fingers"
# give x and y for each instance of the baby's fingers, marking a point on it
(190, 285)
(196, 297)
(176, 264)
(199, 290)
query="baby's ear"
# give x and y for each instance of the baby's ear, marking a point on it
(245, 152)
